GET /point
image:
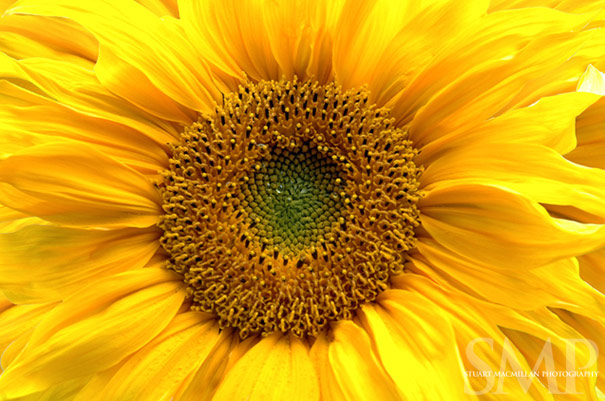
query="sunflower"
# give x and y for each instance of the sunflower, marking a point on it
(301, 200)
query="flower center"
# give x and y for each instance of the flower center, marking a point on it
(293, 199)
(289, 206)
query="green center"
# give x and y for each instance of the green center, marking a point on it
(293, 198)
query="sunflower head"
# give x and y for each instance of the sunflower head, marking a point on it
(301, 200)
(290, 206)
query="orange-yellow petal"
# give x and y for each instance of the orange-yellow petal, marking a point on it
(549, 122)
(158, 70)
(77, 185)
(18, 320)
(355, 368)
(537, 172)
(496, 226)
(39, 80)
(277, 368)
(486, 67)
(94, 329)
(385, 43)
(43, 263)
(156, 371)
(416, 345)
(201, 385)
(555, 284)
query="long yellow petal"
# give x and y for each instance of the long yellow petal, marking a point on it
(137, 48)
(570, 6)
(555, 284)
(329, 387)
(94, 329)
(494, 51)
(161, 8)
(481, 344)
(17, 320)
(590, 129)
(549, 122)
(384, 43)
(40, 81)
(488, 89)
(12, 220)
(493, 225)
(47, 122)
(539, 173)
(49, 263)
(63, 391)
(567, 349)
(201, 385)
(416, 345)
(218, 29)
(592, 268)
(277, 368)
(355, 367)
(77, 185)
(156, 371)
(590, 330)
(26, 36)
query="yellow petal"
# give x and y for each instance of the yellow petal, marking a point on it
(161, 7)
(17, 320)
(43, 81)
(138, 46)
(593, 81)
(416, 345)
(277, 368)
(26, 36)
(203, 383)
(44, 122)
(549, 122)
(218, 29)
(328, 385)
(487, 90)
(48, 263)
(481, 344)
(571, 6)
(592, 268)
(590, 129)
(11, 220)
(156, 371)
(496, 226)
(493, 52)
(4, 302)
(356, 369)
(385, 43)
(535, 171)
(97, 382)
(94, 329)
(300, 34)
(541, 333)
(63, 391)
(555, 284)
(590, 330)
(77, 185)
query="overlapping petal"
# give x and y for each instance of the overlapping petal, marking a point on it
(348, 367)
(77, 185)
(497, 226)
(416, 345)
(94, 329)
(278, 367)
(156, 371)
(142, 58)
(43, 263)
